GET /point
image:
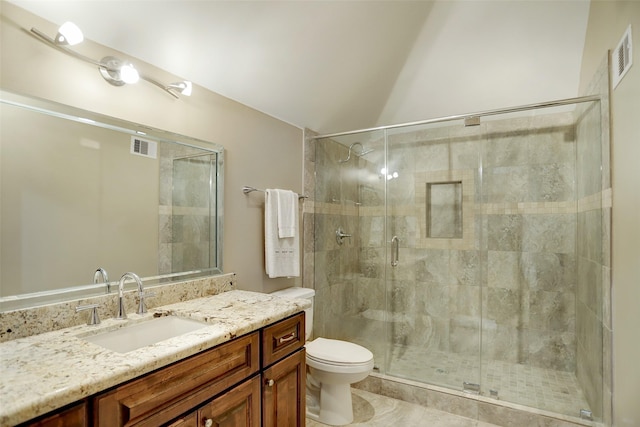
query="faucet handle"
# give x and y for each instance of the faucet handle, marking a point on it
(93, 319)
(142, 295)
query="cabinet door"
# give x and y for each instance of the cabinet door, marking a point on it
(239, 407)
(74, 416)
(283, 397)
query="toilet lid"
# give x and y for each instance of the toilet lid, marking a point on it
(336, 351)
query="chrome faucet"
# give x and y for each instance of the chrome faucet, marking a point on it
(122, 314)
(102, 272)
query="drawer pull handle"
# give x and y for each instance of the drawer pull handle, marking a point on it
(287, 338)
(270, 382)
(208, 422)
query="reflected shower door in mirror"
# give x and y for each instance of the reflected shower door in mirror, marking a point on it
(81, 191)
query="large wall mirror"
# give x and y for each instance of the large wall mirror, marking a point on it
(81, 191)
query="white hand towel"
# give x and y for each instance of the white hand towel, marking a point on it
(282, 255)
(287, 209)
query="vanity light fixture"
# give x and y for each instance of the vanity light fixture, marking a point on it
(115, 71)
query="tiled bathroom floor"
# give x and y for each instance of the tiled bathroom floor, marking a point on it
(373, 410)
(545, 389)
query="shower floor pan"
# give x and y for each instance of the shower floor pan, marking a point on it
(546, 389)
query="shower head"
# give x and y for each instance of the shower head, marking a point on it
(351, 150)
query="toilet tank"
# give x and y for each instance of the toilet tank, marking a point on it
(301, 293)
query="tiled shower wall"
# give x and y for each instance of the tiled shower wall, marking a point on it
(337, 267)
(531, 242)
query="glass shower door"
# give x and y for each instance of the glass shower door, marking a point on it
(433, 261)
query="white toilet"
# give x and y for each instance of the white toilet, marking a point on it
(333, 366)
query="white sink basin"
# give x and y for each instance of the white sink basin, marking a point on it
(138, 335)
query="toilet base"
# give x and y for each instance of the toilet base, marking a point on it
(336, 408)
(330, 403)
(329, 381)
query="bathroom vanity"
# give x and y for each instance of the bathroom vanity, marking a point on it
(246, 367)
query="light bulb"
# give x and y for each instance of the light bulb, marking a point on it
(187, 88)
(69, 34)
(129, 74)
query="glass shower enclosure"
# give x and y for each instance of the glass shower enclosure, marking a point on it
(475, 254)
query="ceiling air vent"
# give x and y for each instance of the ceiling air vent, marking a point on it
(622, 57)
(143, 147)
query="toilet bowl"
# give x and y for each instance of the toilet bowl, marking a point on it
(332, 366)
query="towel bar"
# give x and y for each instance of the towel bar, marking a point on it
(246, 190)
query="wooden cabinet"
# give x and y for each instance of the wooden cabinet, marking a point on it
(255, 380)
(284, 373)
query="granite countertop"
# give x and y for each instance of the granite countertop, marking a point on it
(45, 372)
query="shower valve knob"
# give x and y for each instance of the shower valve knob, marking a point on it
(340, 234)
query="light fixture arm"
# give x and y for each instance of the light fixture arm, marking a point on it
(101, 65)
(160, 85)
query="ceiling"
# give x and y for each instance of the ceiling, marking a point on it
(341, 65)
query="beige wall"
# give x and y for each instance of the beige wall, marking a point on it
(259, 150)
(607, 22)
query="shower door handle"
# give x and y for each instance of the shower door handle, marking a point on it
(395, 251)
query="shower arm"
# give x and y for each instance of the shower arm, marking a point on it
(362, 152)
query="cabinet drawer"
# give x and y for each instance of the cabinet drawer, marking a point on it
(161, 396)
(282, 338)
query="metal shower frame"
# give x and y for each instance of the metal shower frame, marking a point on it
(556, 103)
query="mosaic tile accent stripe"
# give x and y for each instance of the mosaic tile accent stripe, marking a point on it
(595, 201)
